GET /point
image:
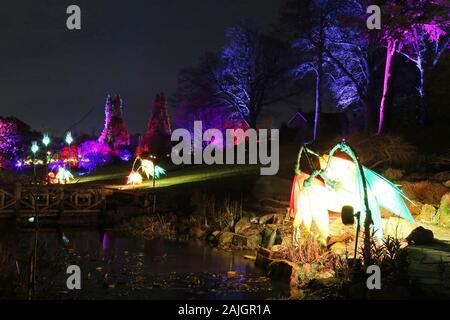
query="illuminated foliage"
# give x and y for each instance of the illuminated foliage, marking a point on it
(62, 176)
(342, 185)
(146, 167)
(134, 178)
(15, 141)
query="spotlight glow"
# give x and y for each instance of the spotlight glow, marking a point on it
(134, 178)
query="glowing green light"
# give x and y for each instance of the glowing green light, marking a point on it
(46, 140)
(34, 147)
(31, 219)
(69, 138)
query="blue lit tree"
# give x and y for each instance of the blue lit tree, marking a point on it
(252, 72)
(340, 51)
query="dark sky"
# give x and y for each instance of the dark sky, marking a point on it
(50, 76)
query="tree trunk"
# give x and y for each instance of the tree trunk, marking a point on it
(422, 110)
(392, 46)
(252, 120)
(319, 79)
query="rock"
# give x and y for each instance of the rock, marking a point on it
(425, 191)
(269, 239)
(266, 219)
(325, 275)
(243, 224)
(427, 213)
(444, 211)
(420, 236)
(284, 271)
(263, 258)
(277, 248)
(254, 241)
(239, 240)
(226, 238)
(273, 218)
(393, 174)
(447, 184)
(415, 208)
(215, 233)
(279, 218)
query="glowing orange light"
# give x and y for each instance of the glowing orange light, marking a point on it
(134, 178)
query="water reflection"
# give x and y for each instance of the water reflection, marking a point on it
(120, 267)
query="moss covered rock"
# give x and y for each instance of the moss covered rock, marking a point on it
(427, 214)
(444, 211)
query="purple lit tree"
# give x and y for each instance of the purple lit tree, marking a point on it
(115, 132)
(15, 140)
(197, 99)
(418, 30)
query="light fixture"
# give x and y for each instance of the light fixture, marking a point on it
(69, 138)
(34, 147)
(46, 140)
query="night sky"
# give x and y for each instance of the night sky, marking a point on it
(50, 76)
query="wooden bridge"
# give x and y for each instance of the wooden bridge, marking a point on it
(68, 201)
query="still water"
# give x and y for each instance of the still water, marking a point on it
(114, 266)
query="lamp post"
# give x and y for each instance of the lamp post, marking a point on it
(69, 141)
(34, 149)
(154, 183)
(46, 142)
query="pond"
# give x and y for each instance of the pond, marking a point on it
(114, 266)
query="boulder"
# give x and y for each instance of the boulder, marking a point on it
(269, 239)
(444, 211)
(216, 233)
(273, 218)
(266, 219)
(243, 224)
(420, 236)
(254, 241)
(239, 240)
(284, 271)
(415, 207)
(393, 174)
(427, 213)
(263, 258)
(226, 238)
(424, 191)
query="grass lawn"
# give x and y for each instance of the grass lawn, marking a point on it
(115, 176)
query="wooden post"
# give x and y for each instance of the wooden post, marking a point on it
(103, 204)
(17, 198)
(60, 199)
